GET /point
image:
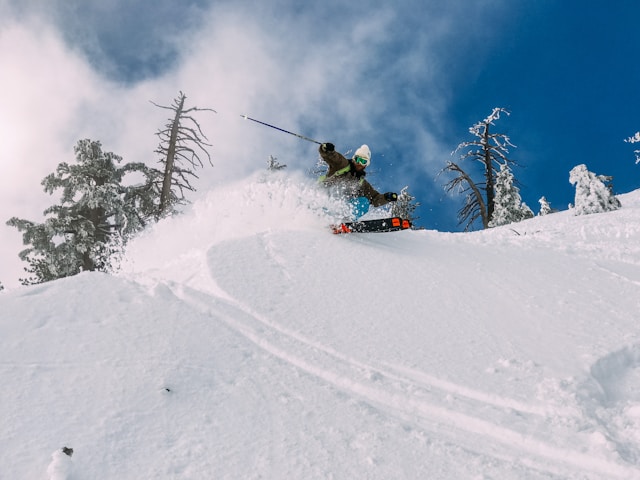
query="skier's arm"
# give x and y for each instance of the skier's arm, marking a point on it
(376, 198)
(334, 159)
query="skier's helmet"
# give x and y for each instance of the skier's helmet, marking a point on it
(362, 156)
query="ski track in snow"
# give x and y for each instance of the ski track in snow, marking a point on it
(437, 406)
(623, 271)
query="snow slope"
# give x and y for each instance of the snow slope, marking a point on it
(243, 340)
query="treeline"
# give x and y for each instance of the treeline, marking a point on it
(101, 208)
(491, 193)
(104, 203)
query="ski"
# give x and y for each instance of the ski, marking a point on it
(369, 226)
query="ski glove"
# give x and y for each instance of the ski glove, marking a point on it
(327, 147)
(391, 197)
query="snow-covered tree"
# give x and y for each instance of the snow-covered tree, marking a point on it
(592, 194)
(405, 206)
(181, 144)
(509, 207)
(545, 207)
(490, 150)
(95, 217)
(635, 139)
(274, 165)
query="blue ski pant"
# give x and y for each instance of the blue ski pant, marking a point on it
(359, 206)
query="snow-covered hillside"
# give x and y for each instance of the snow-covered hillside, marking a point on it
(243, 340)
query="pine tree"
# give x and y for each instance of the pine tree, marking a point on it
(96, 215)
(635, 139)
(509, 207)
(273, 164)
(593, 195)
(545, 207)
(405, 206)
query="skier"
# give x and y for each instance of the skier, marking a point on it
(347, 176)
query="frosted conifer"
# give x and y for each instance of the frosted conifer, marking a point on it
(592, 195)
(509, 207)
(405, 206)
(545, 207)
(96, 215)
(635, 139)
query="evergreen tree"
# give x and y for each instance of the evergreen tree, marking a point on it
(405, 206)
(273, 164)
(545, 207)
(490, 149)
(593, 195)
(95, 217)
(635, 139)
(509, 207)
(181, 144)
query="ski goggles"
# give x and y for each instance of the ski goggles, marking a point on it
(361, 161)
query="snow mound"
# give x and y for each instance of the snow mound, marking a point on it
(265, 202)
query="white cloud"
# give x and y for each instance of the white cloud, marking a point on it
(43, 91)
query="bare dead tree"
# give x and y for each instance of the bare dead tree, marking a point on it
(474, 206)
(182, 143)
(490, 149)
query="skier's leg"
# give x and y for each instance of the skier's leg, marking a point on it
(359, 206)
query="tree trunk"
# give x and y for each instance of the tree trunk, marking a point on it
(490, 181)
(165, 195)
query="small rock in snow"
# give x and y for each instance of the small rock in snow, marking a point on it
(61, 466)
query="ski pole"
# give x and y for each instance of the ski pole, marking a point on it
(282, 130)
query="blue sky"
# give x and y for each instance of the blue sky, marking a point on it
(565, 70)
(407, 78)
